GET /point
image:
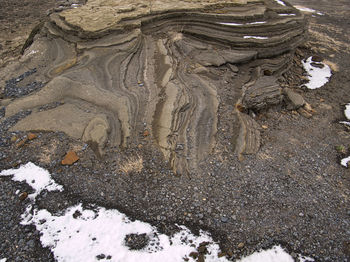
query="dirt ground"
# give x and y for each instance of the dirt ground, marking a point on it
(294, 192)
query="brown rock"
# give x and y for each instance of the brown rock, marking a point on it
(318, 65)
(201, 258)
(194, 255)
(304, 113)
(309, 109)
(221, 254)
(23, 196)
(21, 143)
(14, 139)
(317, 58)
(146, 133)
(240, 245)
(31, 136)
(70, 158)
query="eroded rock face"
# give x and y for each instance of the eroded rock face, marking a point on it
(120, 67)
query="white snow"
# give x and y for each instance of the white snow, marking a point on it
(102, 231)
(305, 259)
(236, 24)
(307, 10)
(280, 2)
(347, 115)
(231, 24)
(256, 23)
(255, 37)
(347, 111)
(345, 161)
(317, 76)
(82, 234)
(275, 254)
(38, 178)
(287, 14)
(32, 53)
(345, 123)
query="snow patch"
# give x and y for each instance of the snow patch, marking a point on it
(256, 23)
(32, 53)
(236, 24)
(38, 178)
(305, 259)
(347, 111)
(3, 260)
(280, 2)
(318, 77)
(287, 14)
(307, 10)
(254, 37)
(345, 161)
(231, 24)
(275, 254)
(83, 234)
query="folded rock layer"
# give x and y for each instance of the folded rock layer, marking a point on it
(119, 68)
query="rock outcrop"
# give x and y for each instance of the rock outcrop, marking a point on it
(120, 67)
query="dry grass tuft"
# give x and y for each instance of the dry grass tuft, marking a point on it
(48, 152)
(132, 164)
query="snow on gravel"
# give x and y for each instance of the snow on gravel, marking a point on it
(347, 111)
(38, 178)
(275, 254)
(95, 233)
(318, 77)
(85, 234)
(345, 161)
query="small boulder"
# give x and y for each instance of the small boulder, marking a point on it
(295, 100)
(264, 93)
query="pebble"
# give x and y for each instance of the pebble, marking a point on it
(240, 245)
(224, 219)
(70, 158)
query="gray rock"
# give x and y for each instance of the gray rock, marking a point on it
(294, 99)
(262, 94)
(224, 219)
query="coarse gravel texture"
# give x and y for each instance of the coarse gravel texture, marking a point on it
(293, 192)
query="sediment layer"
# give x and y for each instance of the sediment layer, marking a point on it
(119, 68)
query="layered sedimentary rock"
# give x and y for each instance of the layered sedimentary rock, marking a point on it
(120, 67)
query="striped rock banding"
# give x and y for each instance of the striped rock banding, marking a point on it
(123, 66)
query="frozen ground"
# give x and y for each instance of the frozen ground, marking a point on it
(92, 234)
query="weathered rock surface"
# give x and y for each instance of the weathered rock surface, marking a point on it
(118, 68)
(263, 93)
(295, 100)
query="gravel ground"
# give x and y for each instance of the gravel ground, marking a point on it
(293, 192)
